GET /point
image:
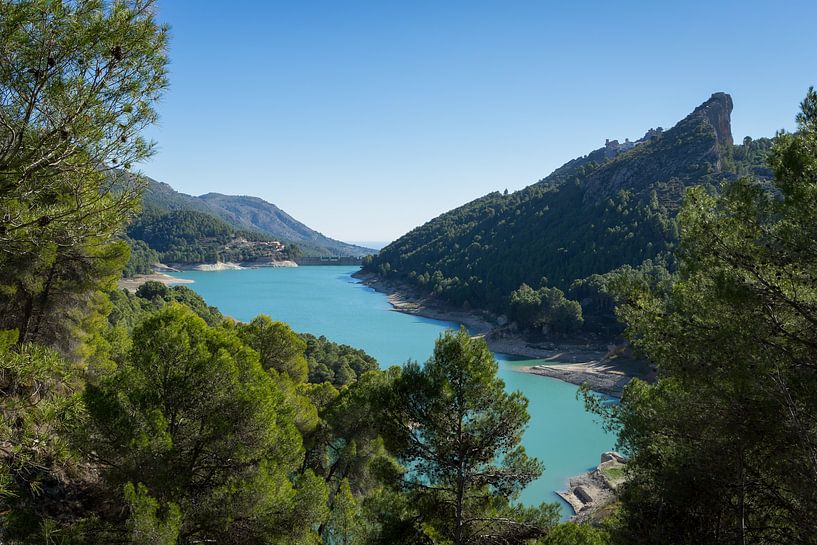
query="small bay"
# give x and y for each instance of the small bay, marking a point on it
(328, 301)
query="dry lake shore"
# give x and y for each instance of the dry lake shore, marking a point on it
(132, 283)
(577, 364)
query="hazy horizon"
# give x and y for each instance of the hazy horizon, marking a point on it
(372, 244)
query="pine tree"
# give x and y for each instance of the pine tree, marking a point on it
(724, 446)
(77, 85)
(193, 417)
(458, 432)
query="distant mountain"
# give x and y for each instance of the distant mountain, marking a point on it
(248, 215)
(161, 197)
(187, 236)
(613, 207)
(254, 213)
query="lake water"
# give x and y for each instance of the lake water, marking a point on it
(328, 301)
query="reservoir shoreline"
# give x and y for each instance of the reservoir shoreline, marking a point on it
(327, 301)
(595, 366)
(132, 283)
(598, 367)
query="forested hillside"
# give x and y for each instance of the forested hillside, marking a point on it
(247, 215)
(614, 207)
(189, 236)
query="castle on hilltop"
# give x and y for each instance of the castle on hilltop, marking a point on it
(614, 147)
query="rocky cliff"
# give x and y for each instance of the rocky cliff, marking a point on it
(687, 153)
(614, 206)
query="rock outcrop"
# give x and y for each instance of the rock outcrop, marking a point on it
(718, 111)
(682, 156)
(595, 490)
(611, 456)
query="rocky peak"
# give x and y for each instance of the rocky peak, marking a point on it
(684, 154)
(717, 111)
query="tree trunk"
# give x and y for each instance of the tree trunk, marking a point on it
(44, 299)
(458, 537)
(25, 319)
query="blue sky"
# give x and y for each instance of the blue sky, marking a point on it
(366, 119)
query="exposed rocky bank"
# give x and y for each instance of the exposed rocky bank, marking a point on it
(603, 368)
(593, 492)
(160, 269)
(132, 283)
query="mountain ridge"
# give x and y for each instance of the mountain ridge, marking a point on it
(647, 162)
(611, 208)
(249, 213)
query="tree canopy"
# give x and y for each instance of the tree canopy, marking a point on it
(723, 445)
(78, 83)
(192, 416)
(459, 433)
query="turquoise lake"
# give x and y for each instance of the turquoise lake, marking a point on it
(328, 301)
